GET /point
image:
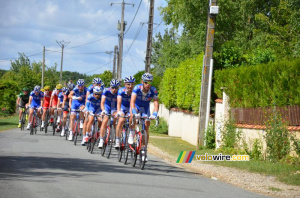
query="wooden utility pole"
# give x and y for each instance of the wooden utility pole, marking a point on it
(62, 44)
(149, 37)
(121, 37)
(43, 68)
(204, 107)
(115, 58)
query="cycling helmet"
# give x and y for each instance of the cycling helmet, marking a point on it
(71, 86)
(80, 82)
(97, 90)
(114, 83)
(37, 88)
(59, 86)
(42, 90)
(102, 84)
(97, 81)
(147, 77)
(129, 79)
(64, 89)
(47, 88)
(25, 89)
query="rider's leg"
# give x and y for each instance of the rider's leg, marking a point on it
(103, 130)
(29, 117)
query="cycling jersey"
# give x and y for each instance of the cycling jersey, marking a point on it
(36, 99)
(23, 99)
(61, 97)
(125, 105)
(55, 94)
(76, 104)
(110, 100)
(93, 104)
(47, 98)
(90, 88)
(143, 99)
(66, 98)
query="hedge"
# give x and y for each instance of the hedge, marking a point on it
(180, 87)
(265, 85)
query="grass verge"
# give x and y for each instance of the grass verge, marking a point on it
(286, 173)
(9, 122)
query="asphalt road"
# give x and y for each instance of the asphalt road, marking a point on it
(44, 165)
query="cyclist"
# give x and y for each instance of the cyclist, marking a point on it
(46, 105)
(36, 100)
(123, 105)
(22, 102)
(96, 82)
(66, 107)
(54, 101)
(59, 106)
(93, 107)
(141, 96)
(108, 106)
(78, 101)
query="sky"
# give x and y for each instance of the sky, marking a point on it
(88, 28)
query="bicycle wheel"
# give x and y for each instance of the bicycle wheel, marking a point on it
(35, 125)
(134, 155)
(110, 142)
(121, 149)
(76, 132)
(54, 122)
(32, 124)
(22, 120)
(143, 153)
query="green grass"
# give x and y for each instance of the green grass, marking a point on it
(282, 171)
(9, 122)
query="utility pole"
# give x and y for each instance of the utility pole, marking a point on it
(43, 68)
(121, 37)
(109, 52)
(115, 56)
(204, 107)
(62, 44)
(149, 38)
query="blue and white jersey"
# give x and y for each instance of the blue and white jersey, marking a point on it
(143, 99)
(93, 103)
(61, 97)
(82, 94)
(90, 88)
(122, 93)
(110, 99)
(36, 99)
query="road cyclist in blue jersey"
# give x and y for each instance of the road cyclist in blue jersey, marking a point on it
(123, 106)
(78, 96)
(36, 100)
(141, 96)
(108, 106)
(93, 107)
(96, 82)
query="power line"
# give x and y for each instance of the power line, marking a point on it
(99, 67)
(134, 16)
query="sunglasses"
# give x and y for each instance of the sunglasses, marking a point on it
(129, 84)
(97, 94)
(114, 87)
(47, 90)
(148, 82)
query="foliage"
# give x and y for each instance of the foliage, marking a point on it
(8, 96)
(230, 135)
(162, 128)
(296, 144)
(277, 138)
(210, 137)
(262, 85)
(167, 87)
(256, 151)
(181, 87)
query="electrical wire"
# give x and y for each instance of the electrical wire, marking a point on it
(134, 17)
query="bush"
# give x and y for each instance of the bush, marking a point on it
(210, 137)
(265, 85)
(230, 136)
(8, 96)
(167, 94)
(162, 128)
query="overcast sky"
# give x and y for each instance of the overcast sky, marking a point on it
(89, 26)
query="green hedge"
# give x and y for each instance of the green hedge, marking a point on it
(272, 84)
(180, 87)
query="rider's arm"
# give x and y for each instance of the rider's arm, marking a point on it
(50, 103)
(102, 103)
(132, 101)
(42, 101)
(71, 95)
(64, 101)
(18, 100)
(119, 102)
(156, 105)
(30, 99)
